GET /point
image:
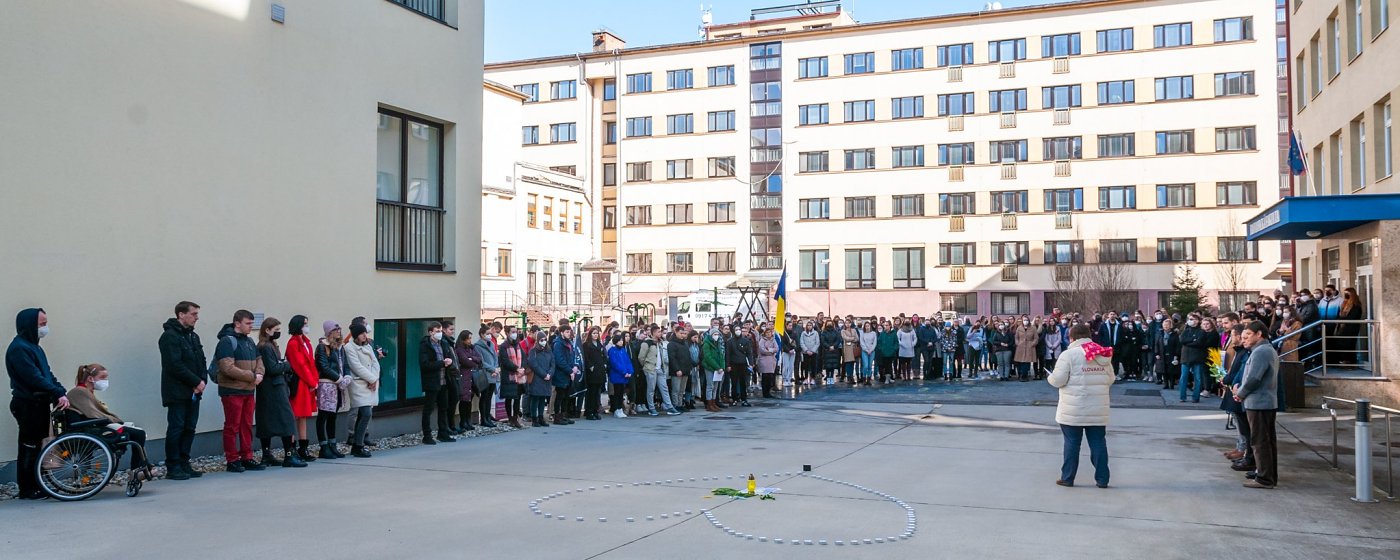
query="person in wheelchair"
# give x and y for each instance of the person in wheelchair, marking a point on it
(82, 399)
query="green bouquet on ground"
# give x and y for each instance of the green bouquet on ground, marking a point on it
(740, 494)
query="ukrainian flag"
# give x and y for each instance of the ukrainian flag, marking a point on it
(780, 315)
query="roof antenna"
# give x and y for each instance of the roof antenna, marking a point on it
(706, 19)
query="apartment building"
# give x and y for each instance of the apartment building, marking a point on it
(1072, 155)
(241, 155)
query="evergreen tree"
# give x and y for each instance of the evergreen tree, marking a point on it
(1188, 295)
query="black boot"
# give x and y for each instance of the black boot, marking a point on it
(269, 460)
(303, 451)
(359, 451)
(428, 438)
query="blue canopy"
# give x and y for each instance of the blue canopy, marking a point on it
(1309, 217)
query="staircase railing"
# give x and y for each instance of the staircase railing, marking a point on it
(1313, 341)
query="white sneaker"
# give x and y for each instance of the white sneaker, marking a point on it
(619, 414)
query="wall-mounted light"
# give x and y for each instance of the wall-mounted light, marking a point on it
(1313, 233)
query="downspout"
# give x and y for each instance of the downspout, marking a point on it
(618, 169)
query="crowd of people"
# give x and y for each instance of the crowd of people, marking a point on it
(554, 374)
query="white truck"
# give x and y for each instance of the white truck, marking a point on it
(702, 305)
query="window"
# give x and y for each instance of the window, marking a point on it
(1065, 44)
(813, 266)
(955, 55)
(955, 154)
(957, 254)
(1385, 146)
(810, 162)
(1117, 145)
(639, 171)
(410, 219)
(1064, 200)
(860, 159)
(578, 217)
(1179, 195)
(1234, 139)
(1011, 252)
(1176, 249)
(1114, 93)
(908, 156)
(721, 75)
(680, 79)
(609, 217)
(562, 132)
(1171, 35)
(639, 83)
(957, 204)
(638, 215)
(765, 56)
(1006, 50)
(680, 262)
(1008, 100)
(638, 126)
(860, 207)
(721, 167)
(1175, 87)
(1115, 40)
(1007, 151)
(1063, 148)
(1380, 16)
(909, 267)
(956, 104)
(1011, 303)
(566, 89)
(860, 63)
(1234, 29)
(609, 174)
(814, 208)
(609, 90)
(860, 269)
(1236, 193)
(812, 114)
(530, 209)
(569, 169)
(1064, 252)
(1358, 153)
(1117, 250)
(639, 263)
(962, 304)
(530, 135)
(1060, 97)
(721, 261)
(1118, 198)
(1232, 249)
(1009, 202)
(679, 169)
(907, 59)
(721, 121)
(531, 91)
(720, 213)
(1334, 38)
(610, 132)
(549, 212)
(762, 92)
(1234, 83)
(811, 67)
(1176, 142)
(908, 205)
(563, 215)
(680, 124)
(858, 111)
(907, 107)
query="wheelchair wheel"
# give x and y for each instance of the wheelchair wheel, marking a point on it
(75, 467)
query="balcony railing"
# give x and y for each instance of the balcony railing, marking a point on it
(957, 223)
(1061, 117)
(1064, 220)
(957, 273)
(430, 8)
(765, 262)
(1008, 120)
(409, 236)
(1061, 65)
(955, 123)
(1064, 273)
(955, 74)
(955, 173)
(1062, 168)
(765, 201)
(1009, 273)
(1008, 222)
(1008, 171)
(1007, 70)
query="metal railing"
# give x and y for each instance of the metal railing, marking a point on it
(430, 8)
(1363, 446)
(1312, 349)
(409, 235)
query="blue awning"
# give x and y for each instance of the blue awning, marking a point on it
(1309, 217)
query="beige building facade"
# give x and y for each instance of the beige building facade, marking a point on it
(203, 150)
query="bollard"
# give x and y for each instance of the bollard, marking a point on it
(1363, 452)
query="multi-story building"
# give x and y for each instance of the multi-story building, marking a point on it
(1075, 155)
(241, 156)
(1346, 212)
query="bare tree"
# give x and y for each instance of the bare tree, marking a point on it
(1075, 285)
(1232, 272)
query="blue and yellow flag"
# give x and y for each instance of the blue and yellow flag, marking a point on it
(780, 314)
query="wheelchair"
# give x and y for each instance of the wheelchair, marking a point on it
(83, 458)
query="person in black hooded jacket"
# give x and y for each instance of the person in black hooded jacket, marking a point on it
(183, 376)
(33, 388)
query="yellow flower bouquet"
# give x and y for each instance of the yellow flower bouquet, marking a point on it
(1215, 364)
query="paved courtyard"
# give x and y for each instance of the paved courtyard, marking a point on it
(979, 478)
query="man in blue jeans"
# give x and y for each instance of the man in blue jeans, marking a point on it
(1083, 374)
(1195, 343)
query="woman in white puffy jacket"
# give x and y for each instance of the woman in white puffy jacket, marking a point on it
(363, 363)
(1083, 375)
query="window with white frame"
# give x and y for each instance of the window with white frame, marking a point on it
(860, 269)
(908, 267)
(813, 268)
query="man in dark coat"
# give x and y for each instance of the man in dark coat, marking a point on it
(567, 370)
(183, 374)
(33, 389)
(928, 348)
(741, 355)
(451, 391)
(432, 361)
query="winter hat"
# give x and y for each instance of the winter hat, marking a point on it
(357, 329)
(329, 327)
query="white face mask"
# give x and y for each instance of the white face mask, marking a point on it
(1157, 316)
(1191, 323)
(1025, 321)
(43, 331)
(1287, 314)
(100, 385)
(437, 336)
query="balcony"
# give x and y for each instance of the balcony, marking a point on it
(955, 74)
(955, 173)
(957, 273)
(1062, 168)
(957, 223)
(1061, 117)
(1007, 70)
(1064, 220)
(1008, 171)
(765, 201)
(1010, 273)
(1008, 222)
(1061, 65)
(1008, 120)
(408, 236)
(430, 8)
(955, 123)
(1064, 273)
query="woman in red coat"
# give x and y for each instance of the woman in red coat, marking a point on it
(301, 356)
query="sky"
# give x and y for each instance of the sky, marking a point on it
(519, 29)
